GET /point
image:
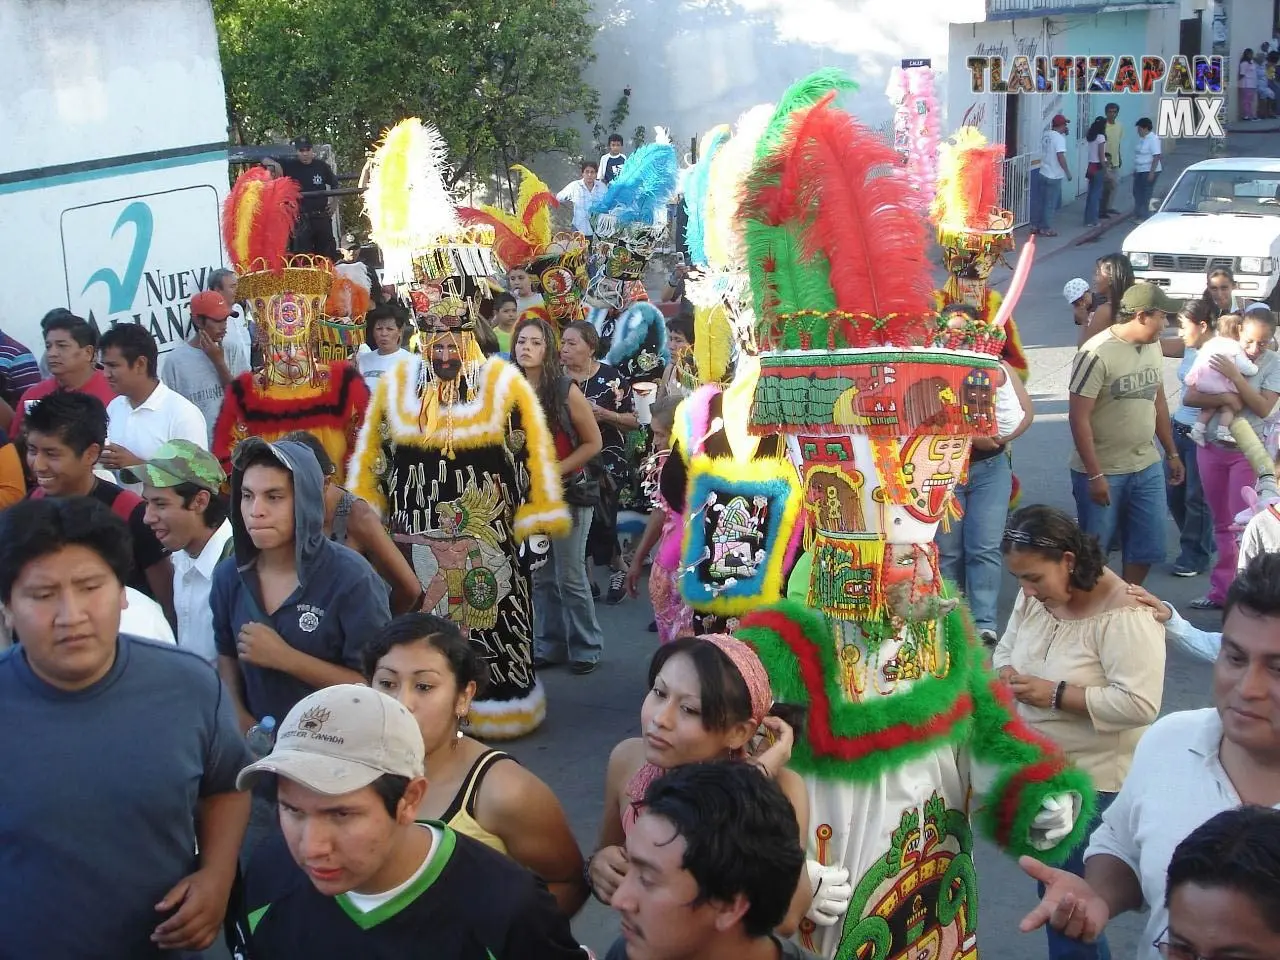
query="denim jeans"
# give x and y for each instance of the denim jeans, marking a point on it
(564, 614)
(1064, 948)
(1143, 186)
(1136, 512)
(1093, 200)
(969, 554)
(1188, 508)
(1051, 200)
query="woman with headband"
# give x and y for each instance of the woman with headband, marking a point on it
(709, 699)
(1085, 664)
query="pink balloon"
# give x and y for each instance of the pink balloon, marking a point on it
(1020, 274)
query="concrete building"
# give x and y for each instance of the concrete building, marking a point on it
(691, 64)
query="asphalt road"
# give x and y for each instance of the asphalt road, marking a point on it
(588, 715)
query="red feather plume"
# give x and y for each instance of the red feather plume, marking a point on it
(537, 204)
(511, 248)
(258, 219)
(982, 180)
(855, 207)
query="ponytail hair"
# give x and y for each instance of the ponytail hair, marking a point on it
(1043, 530)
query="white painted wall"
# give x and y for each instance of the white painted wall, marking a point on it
(99, 80)
(1248, 26)
(692, 64)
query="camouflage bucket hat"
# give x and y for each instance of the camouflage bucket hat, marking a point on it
(178, 462)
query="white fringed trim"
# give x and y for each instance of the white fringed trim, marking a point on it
(508, 719)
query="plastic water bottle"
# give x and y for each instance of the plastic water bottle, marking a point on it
(262, 736)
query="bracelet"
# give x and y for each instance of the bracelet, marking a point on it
(1057, 695)
(1096, 476)
(586, 874)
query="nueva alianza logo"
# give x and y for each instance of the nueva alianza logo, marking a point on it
(1192, 104)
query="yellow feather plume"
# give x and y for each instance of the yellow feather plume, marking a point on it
(957, 161)
(407, 202)
(712, 342)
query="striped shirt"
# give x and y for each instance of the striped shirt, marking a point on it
(18, 370)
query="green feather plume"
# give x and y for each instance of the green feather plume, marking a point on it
(801, 94)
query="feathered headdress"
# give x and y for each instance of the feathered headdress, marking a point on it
(641, 190)
(639, 347)
(724, 243)
(970, 182)
(838, 253)
(257, 220)
(520, 238)
(697, 186)
(407, 203)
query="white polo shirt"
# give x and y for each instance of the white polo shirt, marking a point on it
(1176, 783)
(163, 416)
(192, 581)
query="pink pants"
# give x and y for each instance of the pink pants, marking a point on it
(1248, 102)
(1223, 475)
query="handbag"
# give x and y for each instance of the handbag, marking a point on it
(582, 489)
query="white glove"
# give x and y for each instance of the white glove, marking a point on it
(831, 893)
(539, 547)
(1054, 821)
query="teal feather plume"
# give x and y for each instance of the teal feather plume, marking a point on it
(643, 187)
(695, 194)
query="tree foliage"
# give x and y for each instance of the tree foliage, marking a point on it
(501, 79)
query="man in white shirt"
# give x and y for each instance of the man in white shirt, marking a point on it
(582, 193)
(201, 368)
(187, 512)
(1189, 767)
(146, 414)
(611, 162)
(1146, 169)
(1053, 170)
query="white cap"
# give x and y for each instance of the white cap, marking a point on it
(341, 739)
(1075, 289)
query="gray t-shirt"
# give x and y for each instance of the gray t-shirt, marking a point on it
(187, 371)
(98, 797)
(1267, 378)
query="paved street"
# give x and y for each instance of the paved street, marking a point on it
(588, 715)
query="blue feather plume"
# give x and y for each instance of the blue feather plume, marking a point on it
(642, 189)
(633, 328)
(695, 195)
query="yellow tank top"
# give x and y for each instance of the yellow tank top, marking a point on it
(461, 812)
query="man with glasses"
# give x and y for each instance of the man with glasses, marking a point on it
(1190, 767)
(1224, 890)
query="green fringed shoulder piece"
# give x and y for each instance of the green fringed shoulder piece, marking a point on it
(858, 742)
(1032, 769)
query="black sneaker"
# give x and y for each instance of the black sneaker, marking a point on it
(595, 591)
(583, 667)
(617, 587)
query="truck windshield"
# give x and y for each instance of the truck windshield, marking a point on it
(1253, 192)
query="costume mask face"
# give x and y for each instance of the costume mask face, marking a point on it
(445, 351)
(619, 255)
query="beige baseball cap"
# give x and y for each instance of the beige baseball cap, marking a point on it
(341, 739)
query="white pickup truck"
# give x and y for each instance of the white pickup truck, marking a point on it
(1220, 213)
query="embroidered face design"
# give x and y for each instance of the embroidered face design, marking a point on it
(562, 277)
(932, 465)
(978, 398)
(619, 255)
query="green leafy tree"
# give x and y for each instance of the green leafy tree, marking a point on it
(499, 78)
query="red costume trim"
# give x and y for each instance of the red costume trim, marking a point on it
(339, 406)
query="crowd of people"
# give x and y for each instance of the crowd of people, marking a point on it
(353, 582)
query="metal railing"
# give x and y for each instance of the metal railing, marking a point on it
(1016, 9)
(1017, 187)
